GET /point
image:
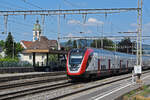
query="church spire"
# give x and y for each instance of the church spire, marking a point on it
(36, 31)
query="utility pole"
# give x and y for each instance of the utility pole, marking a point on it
(58, 34)
(5, 23)
(43, 21)
(102, 37)
(13, 48)
(139, 41)
(140, 33)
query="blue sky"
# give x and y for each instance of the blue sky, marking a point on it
(72, 25)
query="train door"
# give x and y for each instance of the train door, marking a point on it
(120, 65)
(127, 65)
(123, 64)
(95, 64)
(112, 62)
(95, 61)
(90, 63)
(117, 62)
(103, 63)
(109, 65)
(129, 62)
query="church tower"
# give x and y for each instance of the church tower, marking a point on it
(36, 31)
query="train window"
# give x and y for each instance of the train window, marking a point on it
(95, 54)
(76, 56)
(89, 59)
(123, 66)
(103, 67)
(75, 59)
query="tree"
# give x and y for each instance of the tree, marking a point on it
(9, 45)
(74, 44)
(2, 43)
(126, 46)
(18, 49)
(93, 44)
(79, 45)
(82, 43)
(68, 45)
(107, 44)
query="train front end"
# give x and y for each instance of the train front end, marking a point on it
(77, 63)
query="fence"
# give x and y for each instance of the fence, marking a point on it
(14, 64)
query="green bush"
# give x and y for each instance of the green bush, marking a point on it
(8, 62)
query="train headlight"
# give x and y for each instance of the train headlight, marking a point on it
(69, 65)
(79, 65)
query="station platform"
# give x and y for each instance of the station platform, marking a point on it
(17, 76)
(112, 91)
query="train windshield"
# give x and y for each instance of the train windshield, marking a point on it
(76, 56)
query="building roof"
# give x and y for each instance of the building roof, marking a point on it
(42, 44)
(26, 44)
(45, 51)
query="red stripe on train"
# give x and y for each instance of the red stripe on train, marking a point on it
(67, 63)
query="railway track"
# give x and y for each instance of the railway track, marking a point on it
(10, 89)
(24, 92)
(93, 86)
(90, 87)
(51, 89)
(32, 81)
(12, 77)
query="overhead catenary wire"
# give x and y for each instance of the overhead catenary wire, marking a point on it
(147, 10)
(70, 3)
(98, 37)
(31, 4)
(60, 12)
(20, 23)
(12, 5)
(71, 11)
(4, 7)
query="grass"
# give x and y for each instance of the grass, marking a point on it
(138, 94)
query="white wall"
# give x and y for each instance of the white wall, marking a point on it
(2, 54)
(39, 57)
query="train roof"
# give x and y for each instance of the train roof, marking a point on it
(108, 52)
(112, 52)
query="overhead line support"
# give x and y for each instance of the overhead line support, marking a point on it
(63, 12)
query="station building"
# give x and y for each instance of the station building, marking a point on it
(40, 44)
(2, 53)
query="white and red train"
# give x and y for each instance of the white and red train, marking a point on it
(90, 62)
